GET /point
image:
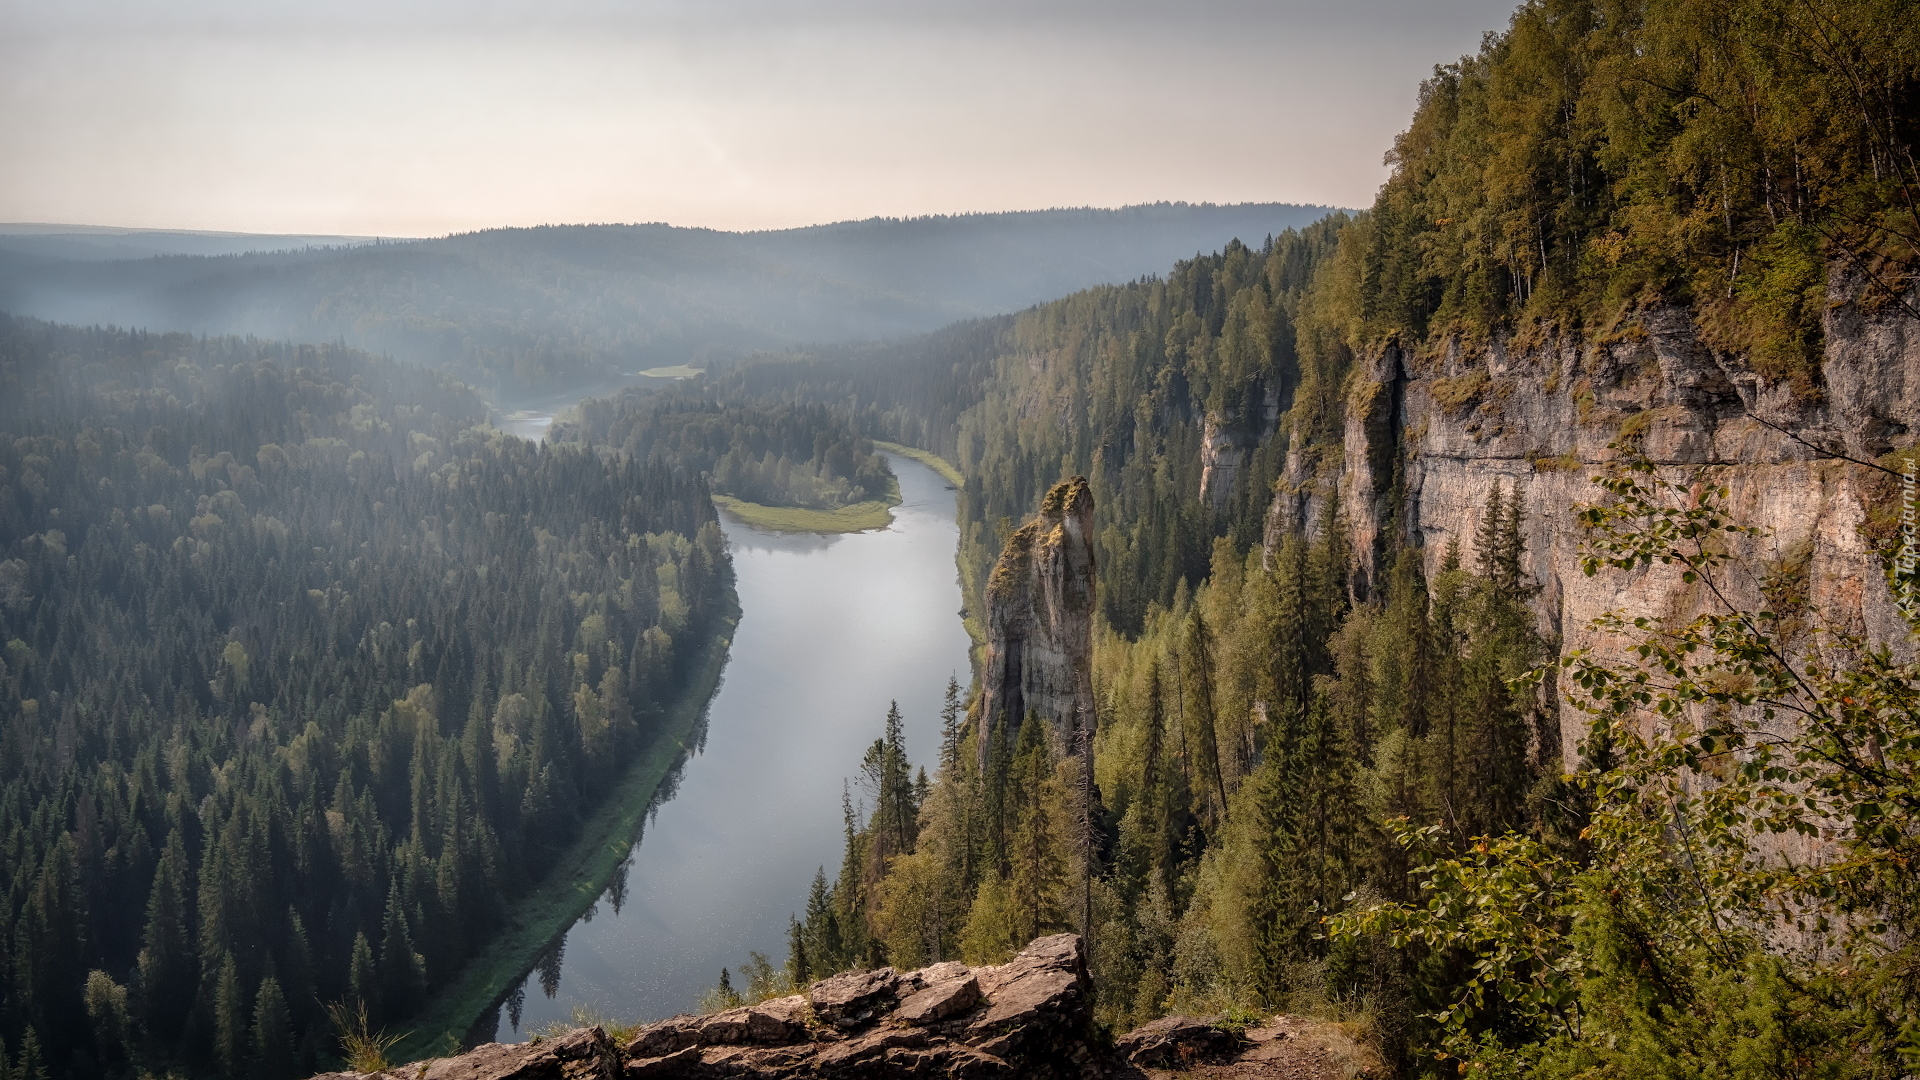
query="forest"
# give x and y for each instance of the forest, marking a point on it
(780, 455)
(570, 310)
(1318, 791)
(308, 673)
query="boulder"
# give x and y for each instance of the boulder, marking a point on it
(941, 1001)
(1174, 1042)
(848, 1000)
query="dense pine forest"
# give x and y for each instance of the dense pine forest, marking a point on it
(308, 673)
(783, 455)
(1325, 790)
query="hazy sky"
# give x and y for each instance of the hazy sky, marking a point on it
(419, 117)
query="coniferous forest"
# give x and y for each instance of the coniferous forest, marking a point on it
(308, 672)
(782, 455)
(1327, 791)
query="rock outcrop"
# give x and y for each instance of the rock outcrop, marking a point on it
(1229, 438)
(1177, 1042)
(1536, 417)
(1040, 620)
(1029, 1017)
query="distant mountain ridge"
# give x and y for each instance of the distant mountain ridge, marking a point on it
(106, 242)
(551, 309)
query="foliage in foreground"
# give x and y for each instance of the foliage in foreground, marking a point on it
(1743, 900)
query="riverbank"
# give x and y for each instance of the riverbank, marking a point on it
(859, 517)
(873, 514)
(836, 630)
(578, 877)
(931, 460)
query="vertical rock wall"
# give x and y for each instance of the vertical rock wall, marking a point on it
(1039, 620)
(1228, 441)
(1537, 417)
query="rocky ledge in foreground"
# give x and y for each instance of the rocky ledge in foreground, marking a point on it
(1029, 1017)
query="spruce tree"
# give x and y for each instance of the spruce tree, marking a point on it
(231, 1025)
(363, 980)
(799, 965)
(167, 964)
(401, 978)
(1039, 866)
(273, 1050)
(32, 1064)
(951, 713)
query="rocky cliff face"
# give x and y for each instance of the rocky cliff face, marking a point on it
(1536, 417)
(1228, 440)
(1039, 618)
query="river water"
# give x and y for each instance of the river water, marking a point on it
(832, 629)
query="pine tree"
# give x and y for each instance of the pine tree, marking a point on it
(1202, 700)
(363, 980)
(49, 951)
(32, 1063)
(273, 1056)
(401, 978)
(167, 965)
(230, 1021)
(951, 713)
(826, 950)
(1039, 879)
(799, 965)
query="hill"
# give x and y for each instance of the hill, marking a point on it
(93, 243)
(545, 311)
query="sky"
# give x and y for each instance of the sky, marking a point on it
(423, 117)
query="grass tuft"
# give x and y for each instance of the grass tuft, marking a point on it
(364, 1050)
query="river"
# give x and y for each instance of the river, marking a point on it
(832, 629)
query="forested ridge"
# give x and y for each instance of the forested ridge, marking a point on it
(779, 455)
(572, 309)
(308, 672)
(1328, 791)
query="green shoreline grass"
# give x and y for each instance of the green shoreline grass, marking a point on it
(930, 460)
(577, 879)
(856, 518)
(873, 514)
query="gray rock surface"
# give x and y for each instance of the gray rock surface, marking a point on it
(1176, 1042)
(1039, 620)
(1537, 417)
(1029, 1017)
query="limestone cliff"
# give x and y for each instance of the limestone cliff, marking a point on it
(1229, 438)
(1039, 619)
(1537, 416)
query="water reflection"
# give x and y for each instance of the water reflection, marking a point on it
(833, 629)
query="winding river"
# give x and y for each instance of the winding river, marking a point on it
(833, 628)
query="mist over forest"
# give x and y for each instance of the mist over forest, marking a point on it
(1475, 635)
(555, 309)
